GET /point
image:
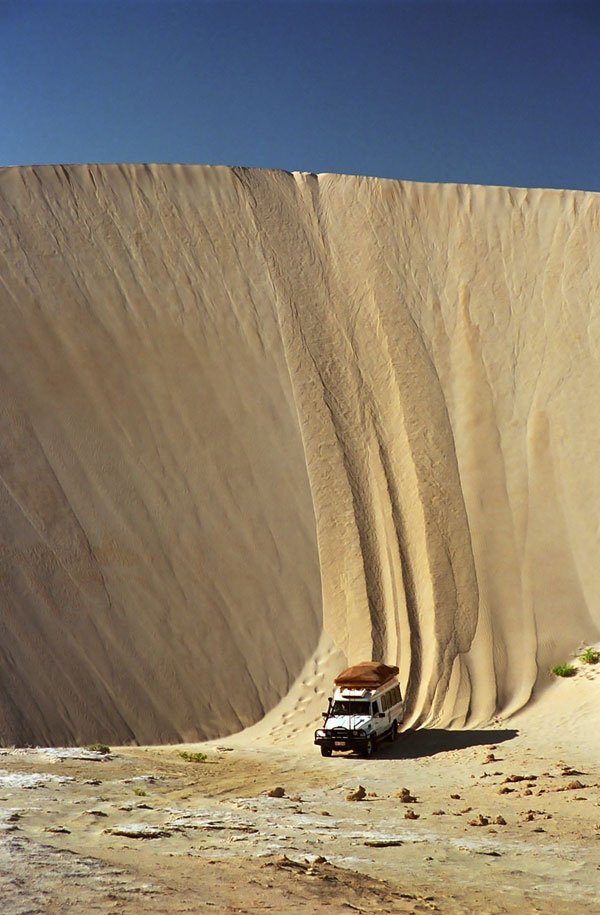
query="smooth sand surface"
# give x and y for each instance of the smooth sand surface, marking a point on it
(256, 426)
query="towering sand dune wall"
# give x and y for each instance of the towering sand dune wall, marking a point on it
(208, 375)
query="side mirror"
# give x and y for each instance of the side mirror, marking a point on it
(381, 715)
(324, 714)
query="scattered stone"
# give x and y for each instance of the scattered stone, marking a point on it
(479, 821)
(539, 829)
(455, 797)
(529, 817)
(405, 796)
(383, 843)
(97, 813)
(438, 813)
(276, 792)
(139, 831)
(527, 792)
(372, 794)
(505, 790)
(325, 813)
(358, 794)
(319, 860)
(500, 821)
(490, 758)
(411, 815)
(519, 778)
(57, 829)
(574, 785)
(92, 781)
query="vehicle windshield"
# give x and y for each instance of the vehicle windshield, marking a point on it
(351, 707)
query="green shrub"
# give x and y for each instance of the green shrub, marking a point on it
(98, 748)
(193, 757)
(590, 656)
(139, 792)
(564, 670)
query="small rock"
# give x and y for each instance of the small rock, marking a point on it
(405, 796)
(372, 794)
(574, 785)
(320, 860)
(358, 794)
(97, 813)
(490, 758)
(480, 821)
(276, 792)
(500, 821)
(325, 813)
(57, 829)
(411, 815)
(527, 792)
(438, 813)
(455, 797)
(505, 790)
(139, 831)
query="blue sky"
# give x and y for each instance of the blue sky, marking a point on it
(482, 91)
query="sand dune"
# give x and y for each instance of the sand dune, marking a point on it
(244, 413)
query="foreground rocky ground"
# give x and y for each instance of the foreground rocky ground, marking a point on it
(446, 822)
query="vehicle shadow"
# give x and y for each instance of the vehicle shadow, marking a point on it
(431, 741)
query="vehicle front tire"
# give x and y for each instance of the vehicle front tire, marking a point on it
(369, 747)
(394, 732)
(325, 751)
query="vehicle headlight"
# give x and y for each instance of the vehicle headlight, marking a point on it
(320, 733)
(359, 733)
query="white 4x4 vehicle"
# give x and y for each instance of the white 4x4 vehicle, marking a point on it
(366, 707)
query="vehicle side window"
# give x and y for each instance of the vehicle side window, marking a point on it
(387, 701)
(396, 696)
(376, 708)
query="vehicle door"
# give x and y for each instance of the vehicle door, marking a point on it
(380, 716)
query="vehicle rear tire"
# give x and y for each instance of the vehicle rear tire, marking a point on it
(325, 751)
(394, 732)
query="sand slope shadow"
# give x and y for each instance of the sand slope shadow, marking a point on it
(431, 741)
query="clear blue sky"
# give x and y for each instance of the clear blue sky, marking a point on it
(485, 91)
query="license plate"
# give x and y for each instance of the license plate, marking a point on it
(339, 743)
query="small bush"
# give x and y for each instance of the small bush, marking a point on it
(139, 792)
(590, 656)
(98, 748)
(564, 670)
(193, 757)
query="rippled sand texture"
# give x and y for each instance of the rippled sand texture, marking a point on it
(224, 391)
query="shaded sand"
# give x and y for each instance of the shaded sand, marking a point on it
(259, 425)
